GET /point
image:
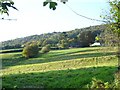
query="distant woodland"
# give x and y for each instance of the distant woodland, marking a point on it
(83, 37)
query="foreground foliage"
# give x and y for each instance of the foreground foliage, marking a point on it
(95, 84)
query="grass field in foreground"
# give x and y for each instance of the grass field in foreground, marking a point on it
(71, 68)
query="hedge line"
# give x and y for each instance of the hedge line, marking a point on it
(20, 50)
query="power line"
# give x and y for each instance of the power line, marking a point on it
(8, 19)
(85, 16)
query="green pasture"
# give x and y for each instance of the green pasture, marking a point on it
(70, 68)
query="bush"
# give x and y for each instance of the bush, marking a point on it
(45, 49)
(30, 50)
(98, 84)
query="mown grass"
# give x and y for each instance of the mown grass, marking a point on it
(77, 78)
(72, 68)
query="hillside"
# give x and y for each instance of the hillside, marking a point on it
(53, 38)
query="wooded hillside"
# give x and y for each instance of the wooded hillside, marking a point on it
(73, 38)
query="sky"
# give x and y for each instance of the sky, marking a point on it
(35, 19)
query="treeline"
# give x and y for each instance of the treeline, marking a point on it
(74, 38)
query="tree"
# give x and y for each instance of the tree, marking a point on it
(113, 16)
(113, 19)
(109, 38)
(45, 49)
(63, 43)
(97, 39)
(30, 50)
(113, 22)
(86, 38)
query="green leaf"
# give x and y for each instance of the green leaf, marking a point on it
(53, 5)
(7, 4)
(12, 2)
(45, 3)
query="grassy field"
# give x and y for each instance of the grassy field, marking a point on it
(71, 68)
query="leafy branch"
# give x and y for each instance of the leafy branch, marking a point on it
(52, 5)
(5, 4)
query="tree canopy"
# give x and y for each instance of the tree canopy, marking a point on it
(113, 16)
(112, 33)
(72, 38)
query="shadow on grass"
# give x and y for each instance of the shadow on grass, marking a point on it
(71, 52)
(42, 58)
(77, 78)
(88, 55)
(51, 57)
(12, 60)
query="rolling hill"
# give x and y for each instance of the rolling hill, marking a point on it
(51, 38)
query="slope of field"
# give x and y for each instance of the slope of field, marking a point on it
(71, 68)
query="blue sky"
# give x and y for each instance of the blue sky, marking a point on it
(33, 18)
